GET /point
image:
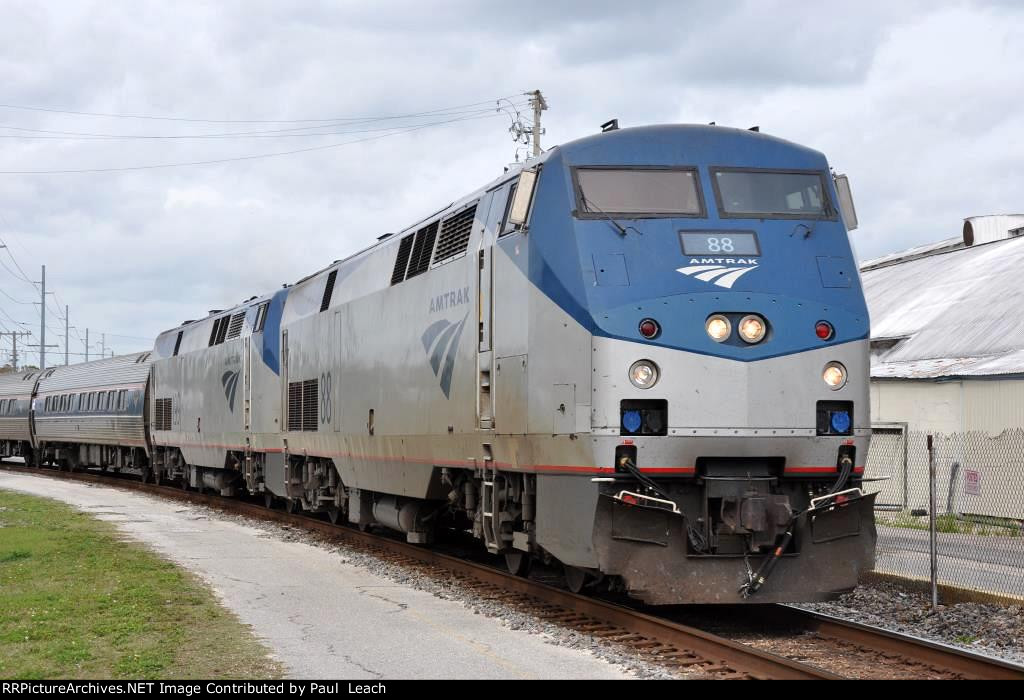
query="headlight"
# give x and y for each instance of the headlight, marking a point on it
(834, 376)
(718, 327)
(643, 374)
(752, 329)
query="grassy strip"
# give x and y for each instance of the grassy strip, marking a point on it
(949, 523)
(76, 601)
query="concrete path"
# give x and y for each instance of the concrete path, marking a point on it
(984, 563)
(322, 618)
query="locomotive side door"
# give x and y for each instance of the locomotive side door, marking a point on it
(510, 303)
(337, 354)
(485, 314)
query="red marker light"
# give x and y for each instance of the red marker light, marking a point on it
(824, 330)
(649, 328)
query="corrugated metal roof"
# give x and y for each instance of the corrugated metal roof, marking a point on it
(956, 313)
(15, 384)
(99, 374)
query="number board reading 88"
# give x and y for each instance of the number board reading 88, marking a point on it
(720, 243)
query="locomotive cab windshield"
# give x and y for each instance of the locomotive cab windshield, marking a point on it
(774, 194)
(637, 192)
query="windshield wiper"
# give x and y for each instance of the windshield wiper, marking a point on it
(618, 227)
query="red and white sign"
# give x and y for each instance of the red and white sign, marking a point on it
(972, 482)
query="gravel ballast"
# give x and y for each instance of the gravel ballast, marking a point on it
(995, 630)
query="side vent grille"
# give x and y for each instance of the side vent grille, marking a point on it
(402, 261)
(303, 402)
(294, 406)
(223, 330)
(162, 414)
(329, 290)
(220, 328)
(235, 329)
(310, 404)
(455, 232)
(422, 250)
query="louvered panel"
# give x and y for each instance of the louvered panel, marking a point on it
(455, 232)
(422, 250)
(325, 303)
(294, 406)
(402, 261)
(235, 329)
(162, 414)
(165, 413)
(310, 404)
(222, 331)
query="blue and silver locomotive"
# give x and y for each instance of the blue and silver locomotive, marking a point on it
(642, 355)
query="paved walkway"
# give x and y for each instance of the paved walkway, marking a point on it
(985, 563)
(322, 618)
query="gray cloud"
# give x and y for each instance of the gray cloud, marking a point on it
(918, 102)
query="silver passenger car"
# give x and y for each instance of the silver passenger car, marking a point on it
(16, 391)
(94, 414)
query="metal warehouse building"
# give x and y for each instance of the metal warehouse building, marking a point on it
(947, 331)
(947, 358)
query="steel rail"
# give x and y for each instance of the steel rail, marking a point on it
(963, 662)
(666, 642)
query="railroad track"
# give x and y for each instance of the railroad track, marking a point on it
(652, 637)
(938, 657)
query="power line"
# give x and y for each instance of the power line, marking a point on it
(13, 299)
(248, 121)
(24, 275)
(256, 156)
(294, 132)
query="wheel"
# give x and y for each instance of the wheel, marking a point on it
(518, 563)
(147, 475)
(268, 499)
(292, 506)
(333, 514)
(575, 578)
(183, 483)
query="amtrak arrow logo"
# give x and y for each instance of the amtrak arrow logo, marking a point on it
(443, 337)
(229, 380)
(721, 275)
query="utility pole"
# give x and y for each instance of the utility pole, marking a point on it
(103, 345)
(86, 344)
(539, 104)
(67, 334)
(42, 323)
(14, 346)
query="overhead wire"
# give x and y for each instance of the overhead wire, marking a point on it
(255, 156)
(251, 121)
(293, 132)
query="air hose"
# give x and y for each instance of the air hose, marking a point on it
(697, 539)
(757, 578)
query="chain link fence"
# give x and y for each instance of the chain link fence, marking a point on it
(979, 507)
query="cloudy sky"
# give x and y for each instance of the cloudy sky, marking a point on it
(921, 103)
